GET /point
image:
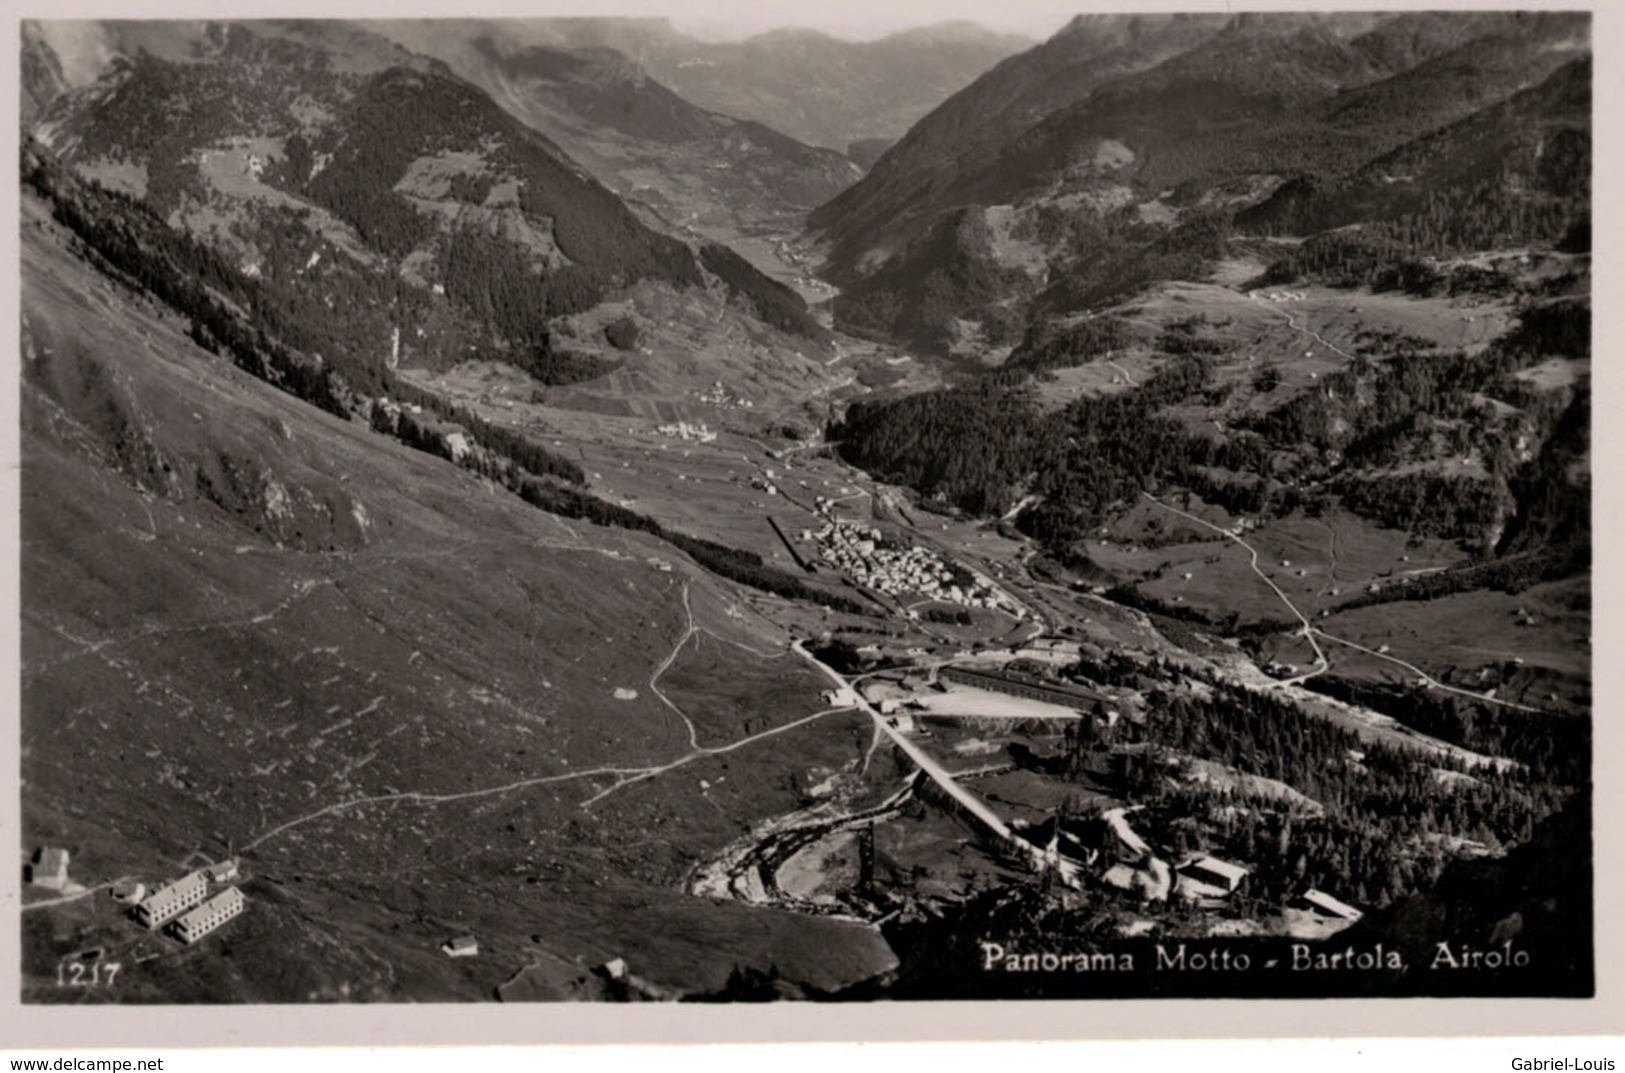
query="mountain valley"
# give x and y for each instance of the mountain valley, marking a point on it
(559, 533)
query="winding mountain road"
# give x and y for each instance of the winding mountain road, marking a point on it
(623, 776)
(1295, 326)
(1308, 632)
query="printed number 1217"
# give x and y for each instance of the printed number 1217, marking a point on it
(78, 974)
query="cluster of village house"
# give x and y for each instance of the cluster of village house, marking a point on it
(860, 552)
(765, 482)
(684, 430)
(717, 395)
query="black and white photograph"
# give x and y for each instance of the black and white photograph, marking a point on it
(1057, 504)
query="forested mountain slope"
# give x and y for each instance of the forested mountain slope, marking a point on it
(821, 90)
(697, 168)
(366, 173)
(1181, 126)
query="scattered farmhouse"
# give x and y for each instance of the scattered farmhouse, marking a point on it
(128, 890)
(49, 868)
(464, 946)
(222, 872)
(717, 395)
(1314, 914)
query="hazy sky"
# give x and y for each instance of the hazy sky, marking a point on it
(730, 19)
(862, 19)
(711, 19)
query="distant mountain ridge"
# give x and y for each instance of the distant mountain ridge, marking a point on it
(376, 194)
(1534, 135)
(821, 90)
(1121, 128)
(695, 168)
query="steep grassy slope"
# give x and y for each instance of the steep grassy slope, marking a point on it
(251, 627)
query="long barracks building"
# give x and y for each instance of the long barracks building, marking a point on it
(1030, 687)
(210, 915)
(178, 897)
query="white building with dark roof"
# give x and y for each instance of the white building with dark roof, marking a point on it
(464, 946)
(222, 872)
